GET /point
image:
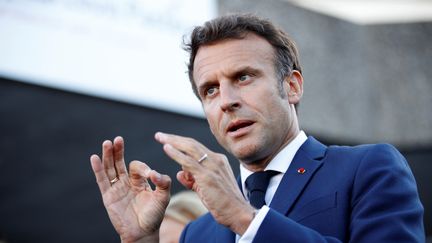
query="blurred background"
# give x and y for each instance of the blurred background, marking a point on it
(74, 73)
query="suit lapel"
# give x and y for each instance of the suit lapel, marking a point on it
(308, 157)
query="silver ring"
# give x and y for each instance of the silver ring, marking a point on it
(202, 158)
(114, 180)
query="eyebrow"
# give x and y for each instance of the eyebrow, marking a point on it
(245, 70)
(204, 86)
(238, 71)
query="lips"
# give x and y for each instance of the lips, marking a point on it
(237, 125)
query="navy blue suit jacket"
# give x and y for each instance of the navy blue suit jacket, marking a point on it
(365, 193)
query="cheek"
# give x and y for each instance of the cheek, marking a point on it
(212, 120)
(275, 112)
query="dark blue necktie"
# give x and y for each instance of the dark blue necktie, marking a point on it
(257, 184)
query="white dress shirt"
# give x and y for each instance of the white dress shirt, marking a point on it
(280, 163)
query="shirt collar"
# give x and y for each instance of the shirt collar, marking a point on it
(281, 161)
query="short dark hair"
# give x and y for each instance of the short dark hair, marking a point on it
(237, 26)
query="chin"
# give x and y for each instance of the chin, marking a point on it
(247, 154)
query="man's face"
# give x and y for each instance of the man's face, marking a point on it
(242, 99)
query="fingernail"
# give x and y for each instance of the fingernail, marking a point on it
(158, 176)
(168, 146)
(159, 135)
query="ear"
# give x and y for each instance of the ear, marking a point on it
(295, 87)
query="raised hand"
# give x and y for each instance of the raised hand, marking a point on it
(212, 178)
(135, 209)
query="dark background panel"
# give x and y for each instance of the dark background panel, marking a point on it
(47, 190)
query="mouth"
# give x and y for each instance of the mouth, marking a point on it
(238, 125)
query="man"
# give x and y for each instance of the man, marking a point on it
(248, 78)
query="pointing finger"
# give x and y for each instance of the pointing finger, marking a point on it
(184, 160)
(139, 173)
(162, 182)
(186, 145)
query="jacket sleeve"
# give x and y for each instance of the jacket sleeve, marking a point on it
(385, 205)
(183, 234)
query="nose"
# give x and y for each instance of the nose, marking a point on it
(229, 98)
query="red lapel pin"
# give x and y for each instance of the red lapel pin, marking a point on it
(301, 170)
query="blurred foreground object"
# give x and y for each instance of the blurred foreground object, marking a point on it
(184, 207)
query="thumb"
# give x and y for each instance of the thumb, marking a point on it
(186, 179)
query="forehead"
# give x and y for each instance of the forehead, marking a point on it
(229, 54)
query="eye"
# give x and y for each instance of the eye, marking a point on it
(244, 77)
(210, 91)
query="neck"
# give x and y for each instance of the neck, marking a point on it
(261, 164)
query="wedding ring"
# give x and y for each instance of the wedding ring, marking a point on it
(202, 158)
(114, 180)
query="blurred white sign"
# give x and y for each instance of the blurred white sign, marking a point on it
(373, 11)
(127, 50)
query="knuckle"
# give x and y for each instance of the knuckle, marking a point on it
(191, 140)
(194, 148)
(220, 159)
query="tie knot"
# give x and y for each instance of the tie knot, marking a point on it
(260, 180)
(257, 184)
